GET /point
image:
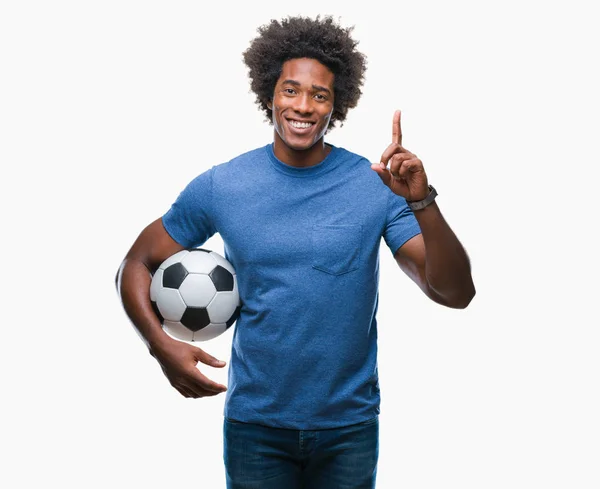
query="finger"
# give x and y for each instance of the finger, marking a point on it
(207, 359)
(184, 392)
(397, 129)
(199, 381)
(390, 151)
(397, 161)
(206, 393)
(196, 392)
(407, 168)
(385, 176)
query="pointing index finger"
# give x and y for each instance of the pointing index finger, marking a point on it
(396, 129)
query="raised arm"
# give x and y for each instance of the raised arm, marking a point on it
(437, 262)
(435, 259)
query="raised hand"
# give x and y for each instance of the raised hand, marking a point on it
(405, 175)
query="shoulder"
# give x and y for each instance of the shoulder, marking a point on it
(350, 159)
(225, 169)
(347, 155)
(245, 160)
(359, 166)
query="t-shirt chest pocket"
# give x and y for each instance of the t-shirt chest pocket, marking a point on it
(336, 248)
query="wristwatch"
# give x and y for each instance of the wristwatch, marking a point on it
(421, 204)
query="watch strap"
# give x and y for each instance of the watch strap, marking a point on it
(421, 204)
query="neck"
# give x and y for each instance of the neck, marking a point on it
(300, 158)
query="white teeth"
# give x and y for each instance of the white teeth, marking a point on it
(300, 125)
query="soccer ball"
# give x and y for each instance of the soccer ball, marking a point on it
(195, 295)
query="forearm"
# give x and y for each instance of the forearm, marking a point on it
(447, 265)
(133, 285)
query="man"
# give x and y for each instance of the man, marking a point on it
(302, 222)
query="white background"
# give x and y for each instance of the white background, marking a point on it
(107, 110)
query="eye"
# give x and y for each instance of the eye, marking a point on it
(322, 97)
(289, 90)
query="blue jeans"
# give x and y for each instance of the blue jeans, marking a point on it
(259, 457)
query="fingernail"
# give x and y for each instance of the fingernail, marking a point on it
(382, 164)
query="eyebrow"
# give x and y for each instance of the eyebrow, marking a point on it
(315, 87)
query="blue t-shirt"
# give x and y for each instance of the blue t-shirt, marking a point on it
(305, 246)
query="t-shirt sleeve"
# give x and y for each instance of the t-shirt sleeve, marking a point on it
(401, 223)
(190, 220)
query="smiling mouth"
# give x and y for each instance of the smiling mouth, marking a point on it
(300, 126)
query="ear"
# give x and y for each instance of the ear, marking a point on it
(270, 104)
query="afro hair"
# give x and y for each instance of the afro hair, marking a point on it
(303, 37)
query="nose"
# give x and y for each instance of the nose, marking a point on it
(303, 104)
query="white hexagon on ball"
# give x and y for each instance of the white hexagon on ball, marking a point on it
(170, 304)
(156, 284)
(199, 262)
(223, 262)
(177, 257)
(197, 290)
(222, 307)
(178, 331)
(210, 332)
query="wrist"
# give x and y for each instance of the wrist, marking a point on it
(417, 205)
(158, 341)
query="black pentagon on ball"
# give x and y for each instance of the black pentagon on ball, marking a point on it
(222, 279)
(195, 318)
(234, 316)
(157, 312)
(173, 276)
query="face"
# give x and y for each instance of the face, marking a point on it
(302, 103)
